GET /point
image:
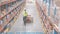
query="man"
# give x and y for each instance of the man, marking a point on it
(25, 16)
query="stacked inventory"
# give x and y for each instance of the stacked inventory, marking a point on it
(9, 11)
(49, 11)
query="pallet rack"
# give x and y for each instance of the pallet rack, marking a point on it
(48, 12)
(9, 10)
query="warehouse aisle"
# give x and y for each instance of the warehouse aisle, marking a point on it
(32, 27)
(36, 25)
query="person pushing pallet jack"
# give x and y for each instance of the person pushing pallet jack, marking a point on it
(27, 18)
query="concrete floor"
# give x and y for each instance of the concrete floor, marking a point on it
(32, 27)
